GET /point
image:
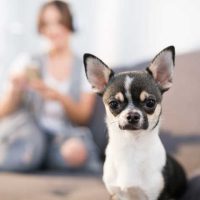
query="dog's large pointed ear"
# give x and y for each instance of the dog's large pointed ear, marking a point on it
(162, 68)
(97, 72)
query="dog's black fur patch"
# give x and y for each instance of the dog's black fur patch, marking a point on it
(175, 180)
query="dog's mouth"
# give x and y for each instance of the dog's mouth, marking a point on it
(134, 127)
(130, 127)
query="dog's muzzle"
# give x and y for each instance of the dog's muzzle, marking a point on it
(134, 121)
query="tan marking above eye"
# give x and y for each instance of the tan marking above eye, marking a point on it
(143, 95)
(119, 96)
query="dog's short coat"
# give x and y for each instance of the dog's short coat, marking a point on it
(136, 165)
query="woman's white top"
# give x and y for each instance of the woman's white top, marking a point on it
(52, 117)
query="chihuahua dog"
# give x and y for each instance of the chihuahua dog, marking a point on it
(137, 166)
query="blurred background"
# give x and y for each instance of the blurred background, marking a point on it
(120, 32)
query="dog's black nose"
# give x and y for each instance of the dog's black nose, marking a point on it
(133, 117)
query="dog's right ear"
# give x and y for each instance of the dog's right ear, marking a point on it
(97, 72)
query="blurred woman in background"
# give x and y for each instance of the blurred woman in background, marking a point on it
(47, 103)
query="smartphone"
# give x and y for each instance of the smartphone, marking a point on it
(33, 72)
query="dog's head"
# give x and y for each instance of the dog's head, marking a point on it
(132, 99)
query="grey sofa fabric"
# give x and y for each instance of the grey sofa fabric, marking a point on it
(98, 127)
(193, 191)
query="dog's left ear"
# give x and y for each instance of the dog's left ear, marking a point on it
(162, 68)
(97, 72)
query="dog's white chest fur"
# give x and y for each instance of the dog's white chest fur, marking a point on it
(134, 161)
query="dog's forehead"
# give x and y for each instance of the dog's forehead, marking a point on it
(136, 83)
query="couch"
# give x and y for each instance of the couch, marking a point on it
(180, 133)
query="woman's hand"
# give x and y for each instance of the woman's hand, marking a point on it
(46, 92)
(18, 81)
(13, 94)
(79, 112)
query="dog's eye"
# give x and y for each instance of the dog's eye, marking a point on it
(114, 105)
(150, 103)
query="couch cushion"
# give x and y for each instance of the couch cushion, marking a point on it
(181, 112)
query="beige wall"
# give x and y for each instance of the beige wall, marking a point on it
(118, 31)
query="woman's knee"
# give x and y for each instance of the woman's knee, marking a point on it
(35, 152)
(74, 152)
